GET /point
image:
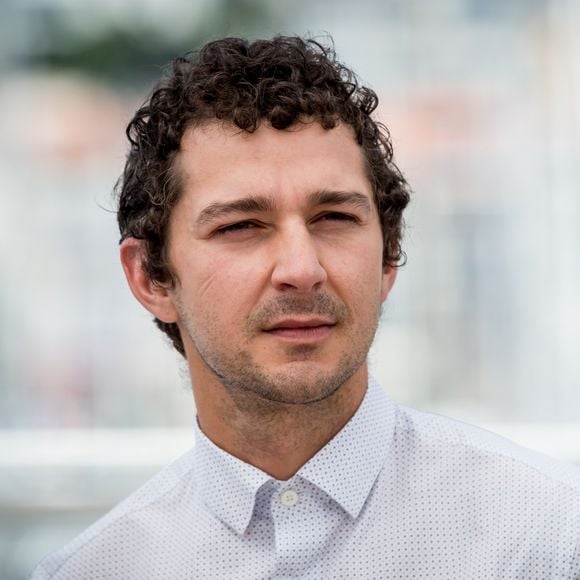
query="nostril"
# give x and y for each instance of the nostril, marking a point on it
(297, 262)
(300, 272)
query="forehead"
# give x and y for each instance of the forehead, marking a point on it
(218, 162)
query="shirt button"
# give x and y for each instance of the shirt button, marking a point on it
(289, 498)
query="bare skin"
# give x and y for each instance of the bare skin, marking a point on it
(276, 438)
(277, 250)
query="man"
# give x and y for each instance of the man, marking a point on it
(261, 216)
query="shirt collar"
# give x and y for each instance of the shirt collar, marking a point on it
(227, 485)
(347, 467)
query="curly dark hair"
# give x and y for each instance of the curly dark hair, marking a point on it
(283, 81)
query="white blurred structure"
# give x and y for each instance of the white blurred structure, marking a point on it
(483, 103)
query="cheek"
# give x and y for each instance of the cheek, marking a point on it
(223, 284)
(359, 265)
(358, 284)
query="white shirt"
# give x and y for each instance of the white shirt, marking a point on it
(396, 494)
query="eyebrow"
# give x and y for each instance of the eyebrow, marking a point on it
(250, 204)
(329, 197)
(263, 204)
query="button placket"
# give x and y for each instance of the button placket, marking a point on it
(289, 498)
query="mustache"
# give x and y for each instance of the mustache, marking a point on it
(318, 304)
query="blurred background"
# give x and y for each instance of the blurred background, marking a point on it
(482, 98)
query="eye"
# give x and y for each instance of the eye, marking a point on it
(338, 217)
(237, 227)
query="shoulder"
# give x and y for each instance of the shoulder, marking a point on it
(477, 457)
(434, 430)
(474, 502)
(517, 506)
(114, 529)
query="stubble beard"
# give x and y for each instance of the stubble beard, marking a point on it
(301, 382)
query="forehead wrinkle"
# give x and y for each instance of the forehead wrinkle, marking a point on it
(251, 203)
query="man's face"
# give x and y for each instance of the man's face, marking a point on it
(277, 248)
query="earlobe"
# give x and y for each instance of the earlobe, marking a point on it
(389, 277)
(154, 297)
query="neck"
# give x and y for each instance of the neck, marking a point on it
(275, 437)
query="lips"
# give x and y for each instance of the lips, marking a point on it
(299, 323)
(303, 330)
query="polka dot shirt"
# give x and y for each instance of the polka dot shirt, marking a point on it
(397, 494)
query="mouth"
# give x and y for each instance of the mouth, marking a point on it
(301, 329)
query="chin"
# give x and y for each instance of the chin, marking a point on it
(301, 382)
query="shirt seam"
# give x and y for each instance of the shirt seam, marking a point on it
(505, 455)
(569, 486)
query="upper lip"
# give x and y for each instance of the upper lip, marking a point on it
(300, 323)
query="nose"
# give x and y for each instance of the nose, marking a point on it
(297, 264)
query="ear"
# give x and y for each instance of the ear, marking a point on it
(389, 277)
(154, 297)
